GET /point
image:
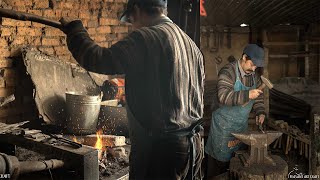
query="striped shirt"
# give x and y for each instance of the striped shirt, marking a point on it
(163, 69)
(225, 88)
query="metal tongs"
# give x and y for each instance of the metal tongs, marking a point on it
(61, 139)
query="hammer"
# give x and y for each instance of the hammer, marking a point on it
(265, 82)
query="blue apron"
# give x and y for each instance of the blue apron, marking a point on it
(227, 120)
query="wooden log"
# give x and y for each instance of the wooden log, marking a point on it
(259, 171)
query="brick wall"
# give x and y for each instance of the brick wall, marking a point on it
(100, 17)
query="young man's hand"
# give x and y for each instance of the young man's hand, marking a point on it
(254, 93)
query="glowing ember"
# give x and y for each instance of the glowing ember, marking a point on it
(99, 144)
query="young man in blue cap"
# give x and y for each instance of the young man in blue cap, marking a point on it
(237, 94)
(164, 76)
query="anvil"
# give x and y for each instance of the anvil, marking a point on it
(258, 143)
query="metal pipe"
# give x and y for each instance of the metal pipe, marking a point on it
(9, 13)
(34, 166)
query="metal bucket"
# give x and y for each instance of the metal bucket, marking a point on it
(82, 113)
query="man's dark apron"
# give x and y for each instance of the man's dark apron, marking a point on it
(227, 120)
(141, 140)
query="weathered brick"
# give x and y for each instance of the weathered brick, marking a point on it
(3, 43)
(5, 62)
(37, 25)
(47, 50)
(93, 23)
(120, 29)
(40, 3)
(61, 50)
(53, 32)
(104, 29)
(36, 41)
(50, 41)
(26, 31)
(20, 8)
(108, 21)
(91, 31)
(84, 15)
(35, 12)
(18, 40)
(8, 22)
(69, 5)
(12, 22)
(7, 31)
(4, 52)
(99, 38)
(20, 3)
(49, 13)
(58, 13)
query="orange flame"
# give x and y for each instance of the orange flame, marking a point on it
(75, 139)
(99, 143)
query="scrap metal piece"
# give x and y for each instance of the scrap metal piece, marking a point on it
(258, 143)
(52, 78)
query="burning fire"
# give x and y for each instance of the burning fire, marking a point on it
(99, 143)
(75, 139)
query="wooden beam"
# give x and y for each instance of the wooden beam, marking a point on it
(290, 43)
(291, 55)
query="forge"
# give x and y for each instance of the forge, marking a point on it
(67, 151)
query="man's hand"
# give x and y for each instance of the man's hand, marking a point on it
(260, 119)
(65, 22)
(254, 93)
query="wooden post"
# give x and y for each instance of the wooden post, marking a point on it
(266, 71)
(306, 62)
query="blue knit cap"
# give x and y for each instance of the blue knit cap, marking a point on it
(256, 54)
